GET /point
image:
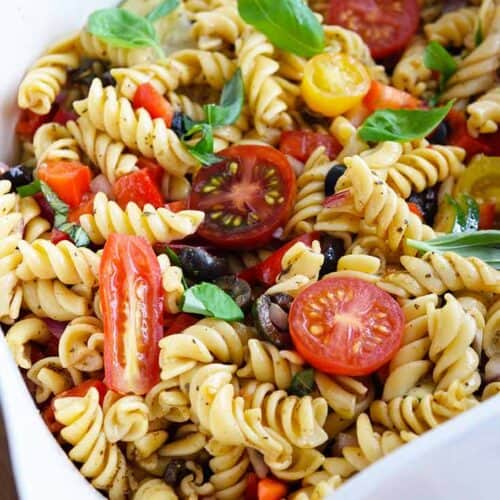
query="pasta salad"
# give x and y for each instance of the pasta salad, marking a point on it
(252, 247)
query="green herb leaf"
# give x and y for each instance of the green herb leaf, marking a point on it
(77, 234)
(203, 149)
(478, 35)
(210, 300)
(402, 124)
(60, 208)
(162, 10)
(437, 58)
(302, 383)
(484, 245)
(231, 103)
(174, 260)
(29, 189)
(122, 28)
(289, 24)
(466, 214)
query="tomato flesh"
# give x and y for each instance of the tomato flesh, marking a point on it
(29, 122)
(386, 26)
(137, 187)
(487, 213)
(81, 390)
(346, 326)
(245, 198)
(147, 97)
(301, 144)
(70, 180)
(382, 96)
(86, 206)
(180, 322)
(131, 296)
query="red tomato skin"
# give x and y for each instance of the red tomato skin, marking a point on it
(131, 292)
(404, 22)
(56, 236)
(268, 270)
(180, 322)
(50, 420)
(487, 212)
(63, 116)
(81, 390)
(70, 180)
(147, 97)
(326, 357)
(251, 492)
(154, 170)
(177, 206)
(86, 206)
(301, 144)
(29, 122)
(263, 233)
(382, 96)
(271, 489)
(416, 209)
(137, 187)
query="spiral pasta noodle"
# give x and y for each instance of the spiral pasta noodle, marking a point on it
(173, 287)
(12, 294)
(453, 27)
(11, 218)
(154, 224)
(102, 461)
(155, 489)
(35, 226)
(166, 400)
(46, 77)
(54, 142)
(126, 419)
(484, 113)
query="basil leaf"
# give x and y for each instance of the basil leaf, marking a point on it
(231, 103)
(466, 214)
(209, 300)
(478, 35)
(60, 208)
(162, 10)
(302, 383)
(437, 58)
(29, 189)
(203, 149)
(174, 260)
(77, 234)
(289, 24)
(122, 28)
(402, 124)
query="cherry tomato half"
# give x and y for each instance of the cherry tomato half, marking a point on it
(245, 198)
(334, 83)
(382, 96)
(147, 97)
(346, 326)
(386, 26)
(138, 187)
(487, 213)
(300, 144)
(132, 306)
(29, 122)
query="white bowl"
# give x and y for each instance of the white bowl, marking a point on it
(458, 461)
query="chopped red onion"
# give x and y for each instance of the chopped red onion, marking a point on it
(100, 184)
(258, 464)
(56, 328)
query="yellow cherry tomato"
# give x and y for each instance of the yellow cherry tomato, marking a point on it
(481, 180)
(334, 83)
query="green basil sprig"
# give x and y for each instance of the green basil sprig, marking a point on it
(210, 300)
(122, 28)
(302, 383)
(77, 234)
(289, 24)
(216, 115)
(402, 125)
(484, 245)
(478, 35)
(437, 58)
(162, 10)
(466, 214)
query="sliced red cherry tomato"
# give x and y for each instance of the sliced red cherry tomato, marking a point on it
(382, 96)
(385, 25)
(251, 489)
(70, 180)
(81, 390)
(245, 197)
(154, 170)
(29, 122)
(487, 213)
(180, 322)
(177, 206)
(56, 236)
(86, 206)
(147, 97)
(63, 116)
(301, 144)
(50, 420)
(268, 270)
(139, 188)
(346, 326)
(416, 209)
(270, 488)
(131, 296)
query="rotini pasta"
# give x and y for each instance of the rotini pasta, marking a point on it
(54, 142)
(484, 114)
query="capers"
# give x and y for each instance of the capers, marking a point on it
(269, 324)
(200, 265)
(237, 288)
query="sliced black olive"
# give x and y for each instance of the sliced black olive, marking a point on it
(283, 300)
(107, 79)
(19, 175)
(200, 265)
(427, 200)
(332, 177)
(332, 249)
(90, 69)
(237, 288)
(266, 328)
(440, 134)
(178, 125)
(176, 470)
